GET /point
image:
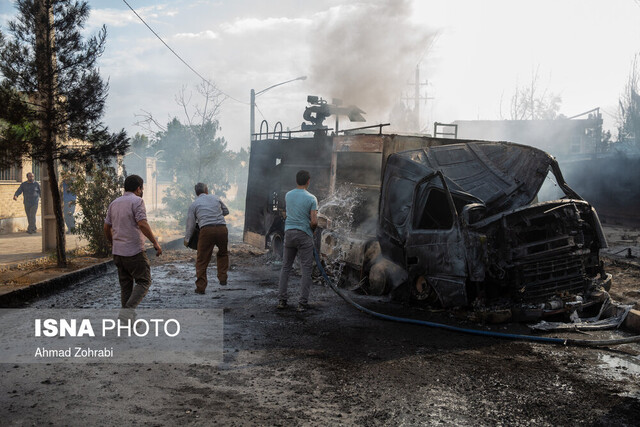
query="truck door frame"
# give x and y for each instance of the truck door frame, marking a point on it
(435, 258)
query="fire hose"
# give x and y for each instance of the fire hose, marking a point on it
(517, 337)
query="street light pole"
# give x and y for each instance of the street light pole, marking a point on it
(252, 120)
(252, 117)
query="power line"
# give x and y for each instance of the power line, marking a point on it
(258, 108)
(178, 56)
(264, 118)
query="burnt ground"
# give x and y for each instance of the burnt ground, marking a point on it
(331, 365)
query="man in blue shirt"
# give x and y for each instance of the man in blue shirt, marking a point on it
(30, 190)
(301, 219)
(69, 206)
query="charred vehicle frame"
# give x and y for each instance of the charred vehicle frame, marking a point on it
(450, 222)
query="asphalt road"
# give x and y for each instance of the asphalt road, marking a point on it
(331, 365)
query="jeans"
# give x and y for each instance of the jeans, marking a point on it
(210, 236)
(296, 242)
(133, 268)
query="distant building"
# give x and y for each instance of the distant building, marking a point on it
(146, 167)
(562, 137)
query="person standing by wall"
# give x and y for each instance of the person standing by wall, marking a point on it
(125, 228)
(30, 191)
(301, 218)
(208, 212)
(69, 205)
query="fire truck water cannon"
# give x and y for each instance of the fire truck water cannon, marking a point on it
(320, 110)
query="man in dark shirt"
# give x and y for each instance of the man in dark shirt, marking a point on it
(30, 191)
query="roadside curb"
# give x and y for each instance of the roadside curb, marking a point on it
(37, 290)
(47, 287)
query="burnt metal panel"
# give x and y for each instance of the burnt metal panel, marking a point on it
(273, 165)
(502, 175)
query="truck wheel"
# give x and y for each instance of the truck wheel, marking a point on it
(276, 244)
(421, 290)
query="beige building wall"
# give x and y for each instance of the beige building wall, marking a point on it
(12, 216)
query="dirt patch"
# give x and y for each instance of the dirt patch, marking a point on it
(23, 276)
(625, 286)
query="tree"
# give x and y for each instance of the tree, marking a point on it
(95, 189)
(191, 151)
(532, 103)
(140, 145)
(51, 78)
(238, 167)
(629, 107)
(139, 150)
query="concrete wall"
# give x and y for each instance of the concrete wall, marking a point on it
(16, 225)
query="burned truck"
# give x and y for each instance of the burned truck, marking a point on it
(447, 222)
(459, 224)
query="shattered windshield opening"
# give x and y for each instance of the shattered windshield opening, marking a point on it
(436, 213)
(550, 190)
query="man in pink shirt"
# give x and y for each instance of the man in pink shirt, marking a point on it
(125, 227)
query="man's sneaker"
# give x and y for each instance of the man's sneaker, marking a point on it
(199, 291)
(282, 304)
(303, 307)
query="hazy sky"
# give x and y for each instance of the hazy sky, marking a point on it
(473, 53)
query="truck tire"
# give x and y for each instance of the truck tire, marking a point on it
(275, 244)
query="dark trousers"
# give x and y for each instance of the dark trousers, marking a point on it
(210, 236)
(31, 211)
(132, 269)
(296, 242)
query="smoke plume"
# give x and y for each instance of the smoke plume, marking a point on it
(366, 53)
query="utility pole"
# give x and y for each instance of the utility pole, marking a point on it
(46, 98)
(417, 97)
(252, 104)
(252, 119)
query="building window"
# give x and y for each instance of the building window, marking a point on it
(11, 173)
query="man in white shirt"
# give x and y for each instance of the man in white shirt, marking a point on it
(208, 212)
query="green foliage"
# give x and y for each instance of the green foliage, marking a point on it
(190, 151)
(239, 175)
(192, 154)
(66, 94)
(15, 126)
(140, 145)
(95, 191)
(139, 150)
(50, 77)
